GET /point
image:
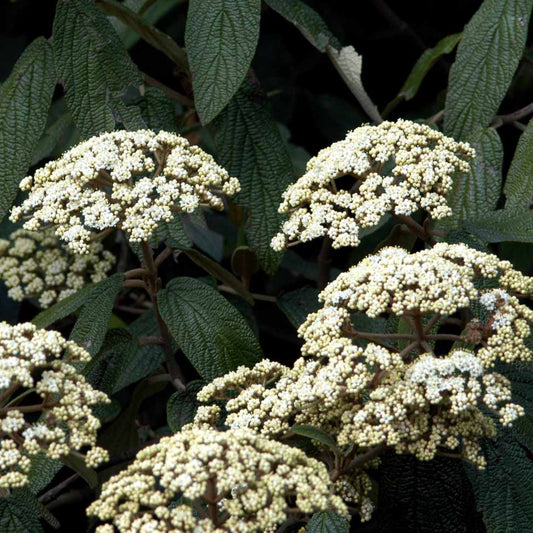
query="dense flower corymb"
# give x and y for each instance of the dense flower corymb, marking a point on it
(42, 362)
(33, 264)
(421, 160)
(202, 480)
(126, 180)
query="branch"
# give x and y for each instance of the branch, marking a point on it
(500, 120)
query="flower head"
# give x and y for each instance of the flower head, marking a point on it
(42, 362)
(239, 482)
(33, 264)
(397, 167)
(128, 180)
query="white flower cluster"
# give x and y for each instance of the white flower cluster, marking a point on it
(366, 389)
(203, 480)
(127, 180)
(439, 280)
(434, 403)
(41, 361)
(33, 264)
(421, 160)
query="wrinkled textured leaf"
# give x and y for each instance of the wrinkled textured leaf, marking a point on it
(207, 240)
(24, 102)
(476, 193)
(42, 471)
(19, 513)
(503, 225)
(431, 496)
(220, 37)
(95, 69)
(327, 522)
(93, 321)
(250, 146)
(518, 187)
(213, 335)
(307, 20)
(424, 64)
(182, 406)
(487, 57)
(298, 304)
(504, 489)
(160, 111)
(68, 305)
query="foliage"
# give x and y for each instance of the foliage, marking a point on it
(197, 325)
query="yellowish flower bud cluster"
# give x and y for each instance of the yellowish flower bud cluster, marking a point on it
(233, 481)
(33, 264)
(421, 160)
(128, 180)
(42, 361)
(439, 280)
(433, 404)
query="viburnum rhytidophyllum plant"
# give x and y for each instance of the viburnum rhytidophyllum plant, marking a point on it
(33, 264)
(130, 181)
(423, 391)
(45, 403)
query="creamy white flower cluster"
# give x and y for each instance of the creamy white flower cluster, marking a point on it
(434, 403)
(203, 480)
(33, 264)
(41, 361)
(367, 389)
(127, 180)
(439, 280)
(421, 160)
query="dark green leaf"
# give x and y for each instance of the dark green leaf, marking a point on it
(424, 496)
(182, 406)
(487, 57)
(95, 69)
(518, 187)
(476, 193)
(220, 273)
(19, 513)
(307, 20)
(69, 305)
(250, 146)
(314, 433)
(503, 225)
(123, 435)
(207, 240)
(211, 332)
(424, 64)
(160, 111)
(298, 304)
(504, 488)
(220, 37)
(42, 471)
(327, 522)
(93, 321)
(24, 102)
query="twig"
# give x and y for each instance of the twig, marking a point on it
(500, 120)
(51, 494)
(324, 262)
(152, 287)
